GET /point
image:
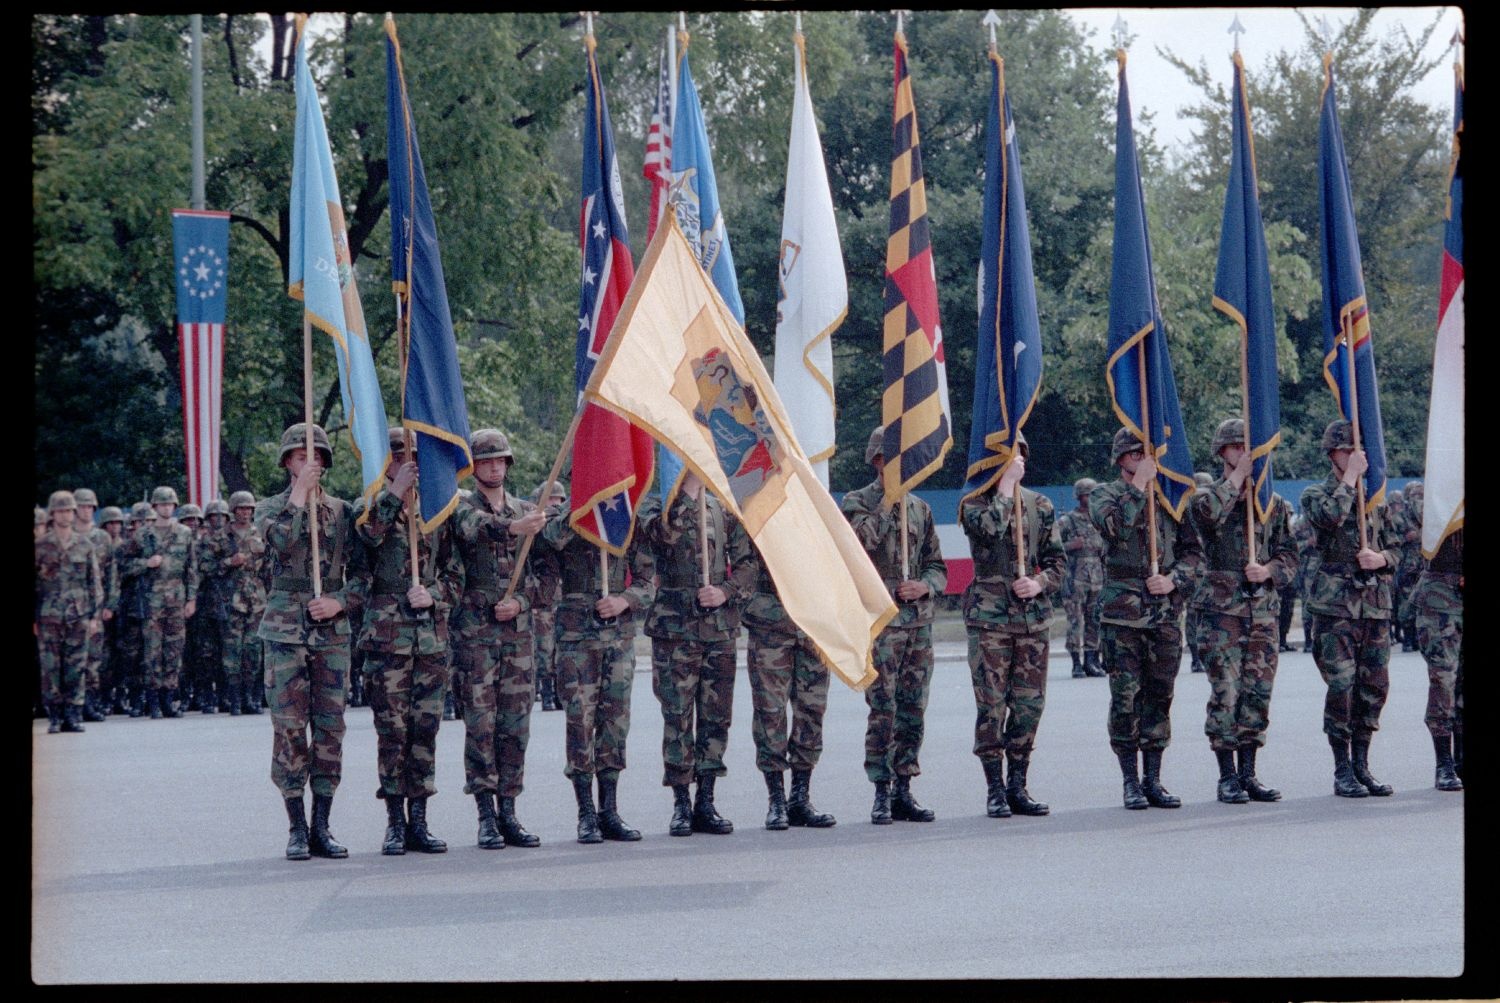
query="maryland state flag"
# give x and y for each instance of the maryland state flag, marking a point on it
(679, 363)
(1443, 495)
(1346, 314)
(1139, 371)
(914, 409)
(1008, 359)
(1242, 292)
(432, 396)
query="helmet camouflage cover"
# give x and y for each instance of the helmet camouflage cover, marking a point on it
(216, 507)
(295, 438)
(1084, 486)
(1231, 432)
(242, 499)
(490, 444)
(876, 446)
(61, 501)
(1338, 435)
(190, 511)
(141, 510)
(110, 513)
(1124, 444)
(164, 496)
(85, 496)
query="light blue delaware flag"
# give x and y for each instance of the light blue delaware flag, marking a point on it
(1008, 358)
(322, 277)
(695, 196)
(432, 402)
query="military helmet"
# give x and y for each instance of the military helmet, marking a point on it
(559, 492)
(85, 496)
(216, 507)
(1231, 432)
(1084, 486)
(61, 500)
(242, 499)
(1125, 443)
(1338, 435)
(38, 517)
(490, 444)
(295, 438)
(1414, 493)
(1395, 499)
(109, 514)
(876, 446)
(141, 510)
(164, 496)
(189, 511)
(1203, 478)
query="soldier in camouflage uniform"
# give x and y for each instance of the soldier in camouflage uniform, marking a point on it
(1140, 634)
(595, 660)
(243, 560)
(214, 546)
(493, 646)
(40, 522)
(693, 627)
(1438, 606)
(305, 637)
(785, 667)
(1201, 480)
(1409, 570)
(405, 641)
(191, 516)
(164, 556)
(69, 598)
(111, 688)
(1350, 601)
(543, 619)
(1238, 598)
(903, 650)
(1008, 622)
(1084, 549)
(95, 707)
(130, 643)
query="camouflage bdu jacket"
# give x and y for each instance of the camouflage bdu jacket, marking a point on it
(104, 553)
(879, 531)
(213, 577)
(382, 567)
(69, 587)
(572, 564)
(243, 590)
(288, 541)
(1085, 565)
(1335, 589)
(989, 523)
(1307, 555)
(1119, 513)
(175, 580)
(488, 552)
(673, 539)
(1440, 590)
(1218, 514)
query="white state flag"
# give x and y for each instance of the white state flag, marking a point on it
(1443, 481)
(814, 291)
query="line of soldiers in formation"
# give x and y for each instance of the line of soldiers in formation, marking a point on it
(404, 624)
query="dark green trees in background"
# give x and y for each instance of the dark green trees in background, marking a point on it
(496, 101)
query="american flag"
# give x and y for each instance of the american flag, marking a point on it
(200, 245)
(657, 168)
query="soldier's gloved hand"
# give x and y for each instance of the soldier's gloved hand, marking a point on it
(505, 609)
(711, 597)
(612, 606)
(1145, 473)
(324, 608)
(910, 591)
(529, 524)
(1026, 587)
(1370, 560)
(419, 597)
(154, 561)
(1160, 585)
(189, 608)
(1257, 573)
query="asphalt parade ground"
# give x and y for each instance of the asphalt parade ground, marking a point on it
(157, 856)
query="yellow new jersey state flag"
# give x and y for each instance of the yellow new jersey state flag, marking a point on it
(678, 364)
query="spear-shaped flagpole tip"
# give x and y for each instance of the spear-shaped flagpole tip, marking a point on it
(1326, 32)
(1236, 29)
(991, 21)
(1119, 29)
(799, 22)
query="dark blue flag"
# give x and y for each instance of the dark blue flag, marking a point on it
(433, 395)
(1008, 361)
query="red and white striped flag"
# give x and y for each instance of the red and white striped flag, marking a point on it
(657, 168)
(200, 241)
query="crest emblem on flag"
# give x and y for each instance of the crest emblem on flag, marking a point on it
(730, 410)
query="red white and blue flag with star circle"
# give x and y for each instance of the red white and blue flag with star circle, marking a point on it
(200, 246)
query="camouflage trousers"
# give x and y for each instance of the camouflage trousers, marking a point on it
(593, 683)
(129, 644)
(1239, 655)
(1009, 673)
(1354, 658)
(94, 665)
(62, 651)
(241, 649)
(784, 668)
(405, 692)
(163, 637)
(209, 668)
(305, 691)
(694, 681)
(1441, 638)
(898, 702)
(542, 623)
(494, 680)
(1083, 619)
(1142, 663)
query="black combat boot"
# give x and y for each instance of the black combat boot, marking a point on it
(1230, 791)
(706, 817)
(799, 807)
(254, 697)
(449, 712)
(588, 818)
(395, 827)
(72, 719)
(682, 811)
(1447, 780)
(1250, 782)
(1156, 795)
(296, 843)
(1091, 666)
(153, 704)
(996, 805)
(611, 825)
(232, 694)
(92, 712)
(880, 811)
(1135, 799)
(510, 827)
(54, 719)
(417, 836)
(1344, 784)
(321, 841)
(489, 832)
(549, 694)
(1359, 749)
(169, 706)
(1077, 670)
(356, 689)
(138, 704)
(776, 801)
(208, 701)
(1015, 787)
(1458, 748)
(904, 807)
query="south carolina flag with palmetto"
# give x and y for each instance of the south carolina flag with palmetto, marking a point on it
(1443, 480)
